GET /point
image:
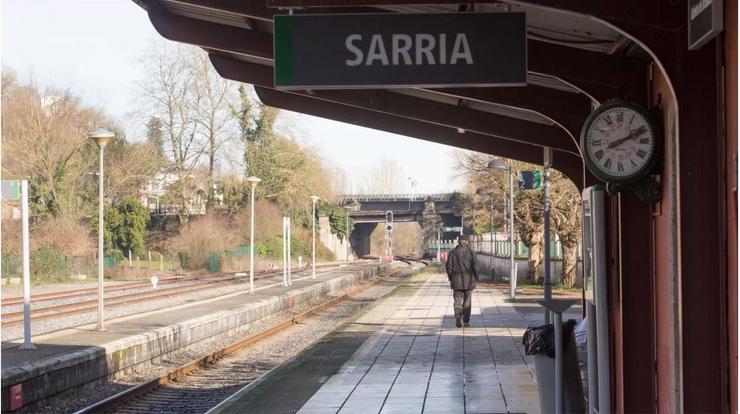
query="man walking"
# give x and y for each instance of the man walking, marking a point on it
(463, 276)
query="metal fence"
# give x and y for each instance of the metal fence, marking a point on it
(216, 260)
(499, 246)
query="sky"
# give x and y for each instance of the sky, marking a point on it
(91, 47)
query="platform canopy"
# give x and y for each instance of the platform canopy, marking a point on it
(573, 63)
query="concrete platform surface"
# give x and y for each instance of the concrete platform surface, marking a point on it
(74, 356)
(405, 355)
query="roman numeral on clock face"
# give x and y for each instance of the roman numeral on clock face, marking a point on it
(608, 164)
(642, 154)
(599, 155)
(620, 116)
(620, 167)
(608, 120)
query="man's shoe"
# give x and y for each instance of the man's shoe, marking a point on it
(458, 322)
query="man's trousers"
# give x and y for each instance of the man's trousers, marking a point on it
(463, 299)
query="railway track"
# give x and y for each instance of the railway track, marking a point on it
(85, 306)
(199, 385)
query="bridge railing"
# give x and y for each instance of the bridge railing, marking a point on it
(348, 198)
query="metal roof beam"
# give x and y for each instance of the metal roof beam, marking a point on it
(567, 163)
(599, 75)
(414, 108)
(658, 14)
(212, 35)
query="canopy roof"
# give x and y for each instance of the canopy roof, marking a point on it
(574, 62)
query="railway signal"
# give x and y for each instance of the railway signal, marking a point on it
(389, 231)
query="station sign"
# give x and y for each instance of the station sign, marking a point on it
(705, 21)
(389, 50)
(10, 189)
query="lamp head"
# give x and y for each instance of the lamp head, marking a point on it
(315, 198)
(100, 136)
(498, 164)
(483, 191)
(253, 180)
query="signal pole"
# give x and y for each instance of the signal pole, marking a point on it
(546, 217)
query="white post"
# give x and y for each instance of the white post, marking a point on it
(285, 253)
(558, 362)
(129, 258)
(26, 270)
(149, 255)
(346, 233)
(439, 244)
(251, 242)
(290, 264)
(101, 257)
(161, 263)
(512, 266)
(313, 237)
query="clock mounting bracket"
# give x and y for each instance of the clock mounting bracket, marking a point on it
(648, 189)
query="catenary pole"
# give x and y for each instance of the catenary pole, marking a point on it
(546, 218)
(313, 236)
(512, 242)
(253, 181)
(26, 270)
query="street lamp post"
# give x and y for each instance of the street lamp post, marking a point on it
(313, 236)
(101, 138)
(439, 243)
(484, 191)
(412, 182)
(499, 164)
(253, 181)
(346, 233)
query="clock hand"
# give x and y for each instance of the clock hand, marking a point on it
(634, 134)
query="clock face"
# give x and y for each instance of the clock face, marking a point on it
(619, 143)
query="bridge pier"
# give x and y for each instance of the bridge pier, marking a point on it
(359, 240)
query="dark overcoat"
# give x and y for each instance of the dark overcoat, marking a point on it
(461, 269)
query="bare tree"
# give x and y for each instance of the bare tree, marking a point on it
(528, 210)
(386, 177)
(566, 218)
(44, 135)
(169, 94)
(527, 204)
(215, 120)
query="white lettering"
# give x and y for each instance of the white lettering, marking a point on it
(442, 48)
(405, 49)
(461, 50)
(354, 49)
(376, 51)
(399, 50)
(424, 49)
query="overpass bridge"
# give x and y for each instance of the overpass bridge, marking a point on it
(429, 210)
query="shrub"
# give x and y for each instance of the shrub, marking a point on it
(47, 263)
(125, 226)
(202, 235)
(64, 235)
(12, 264)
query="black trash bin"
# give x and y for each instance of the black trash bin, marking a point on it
(539, 341)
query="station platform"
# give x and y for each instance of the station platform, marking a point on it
(71, 357)
(405, 355)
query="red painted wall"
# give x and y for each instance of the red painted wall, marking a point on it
(666, 289)
(731, 189)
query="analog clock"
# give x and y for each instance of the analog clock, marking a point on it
(619, 142)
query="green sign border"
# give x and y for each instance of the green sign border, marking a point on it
(283, 50)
